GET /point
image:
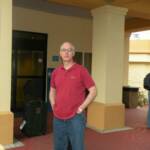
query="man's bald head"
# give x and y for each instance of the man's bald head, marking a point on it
(67, 45)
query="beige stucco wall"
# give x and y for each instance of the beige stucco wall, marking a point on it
(140, 46)
(58, 27)
(6, 117)
(138, 70)
(5, 53)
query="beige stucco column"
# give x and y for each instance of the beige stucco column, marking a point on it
(107, 111)
(6, 117)
(126, 58)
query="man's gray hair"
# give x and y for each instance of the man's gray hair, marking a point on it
(72, 46)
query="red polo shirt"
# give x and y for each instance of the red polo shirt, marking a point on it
(70, 88)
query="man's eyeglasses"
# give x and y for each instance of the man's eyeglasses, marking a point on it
(67, 50)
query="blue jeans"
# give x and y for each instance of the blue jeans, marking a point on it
(69, 130)
(148, 116)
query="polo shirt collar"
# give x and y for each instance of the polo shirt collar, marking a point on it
(72, 67)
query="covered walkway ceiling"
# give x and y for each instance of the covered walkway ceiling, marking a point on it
(137, 8)
(137, 19)
(138, 16)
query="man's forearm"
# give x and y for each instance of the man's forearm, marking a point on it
(90, 97)
(52, 95)
(52, 102)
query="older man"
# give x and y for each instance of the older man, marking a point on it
(68, 100)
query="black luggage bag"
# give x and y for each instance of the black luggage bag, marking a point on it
(35, 118)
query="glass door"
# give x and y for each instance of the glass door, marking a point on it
(28, 70)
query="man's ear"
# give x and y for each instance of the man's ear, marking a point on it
(59, 54)
(73, 53)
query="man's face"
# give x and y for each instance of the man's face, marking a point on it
(67, 52)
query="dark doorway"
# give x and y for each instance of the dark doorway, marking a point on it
(29, 58)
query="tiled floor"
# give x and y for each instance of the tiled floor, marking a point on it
(136, 139)
(15, 144)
